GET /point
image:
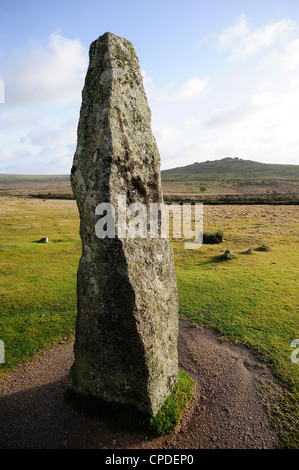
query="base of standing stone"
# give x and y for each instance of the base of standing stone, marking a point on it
(125, 348)
(130, 418)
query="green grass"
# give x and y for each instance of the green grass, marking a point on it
(257, 307)
(8, 179)
(38, 281)
(171, 412)
(251, 300)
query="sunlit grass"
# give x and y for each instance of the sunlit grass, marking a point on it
(250, 299)
(38, 280)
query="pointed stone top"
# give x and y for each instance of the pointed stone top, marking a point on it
(113, 39)
(114, 132)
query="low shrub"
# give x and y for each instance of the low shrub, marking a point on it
(212, 238)
(263, 247)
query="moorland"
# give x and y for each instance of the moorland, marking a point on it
(250, 299)
(225, 181)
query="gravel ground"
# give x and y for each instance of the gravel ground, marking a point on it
(227, 413)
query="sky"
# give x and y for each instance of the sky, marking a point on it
(221, 77)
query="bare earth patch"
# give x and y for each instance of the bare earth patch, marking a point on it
(227, 413)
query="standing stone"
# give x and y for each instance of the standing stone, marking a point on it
(127, 324)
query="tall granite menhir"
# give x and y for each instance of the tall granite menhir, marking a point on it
(127, 324)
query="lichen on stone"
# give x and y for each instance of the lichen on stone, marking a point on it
(127, 323)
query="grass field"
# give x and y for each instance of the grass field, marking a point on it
(251, 299)
(38, 281)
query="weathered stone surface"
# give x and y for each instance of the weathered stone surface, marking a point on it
(127, 324)
(227, 254)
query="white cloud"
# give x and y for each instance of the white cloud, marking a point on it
(244, 44)
(47, 150)
(9, 157)
(249, 108)
(54, 145)
(53, 136)
(38, 121)
(12, 121)
(193, 88)
(287, 59)
(40, 75)
(146, 79)
(233, 33)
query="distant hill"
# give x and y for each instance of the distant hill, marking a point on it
(232, 168)
(27, 179)
(41, 185)
(232, 181)
(225, 181)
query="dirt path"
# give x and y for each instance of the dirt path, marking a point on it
(228, 412)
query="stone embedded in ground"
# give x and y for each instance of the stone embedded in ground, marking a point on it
(127, 323)
(227, 254)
